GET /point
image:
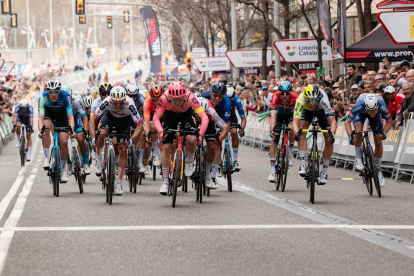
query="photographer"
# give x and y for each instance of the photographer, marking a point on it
(400, 80)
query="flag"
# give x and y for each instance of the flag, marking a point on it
(341, 30)
(324, 18)
(120, 65)
(152, 31)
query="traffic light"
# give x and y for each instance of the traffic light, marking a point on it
(109, 22)
(13, 20)
(188, 61)
(166, 55)
(126, 16)
(59, 52)
(82, 19)
(6, 7)
(80, 7)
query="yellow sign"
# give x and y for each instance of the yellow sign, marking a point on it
(411, 26)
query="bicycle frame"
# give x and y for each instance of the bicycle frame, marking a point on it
(56, 147)
(226, 142)
(179, 148)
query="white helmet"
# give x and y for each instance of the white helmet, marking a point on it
(204, 103)
(87, 101)
(24, 103)
(118, 94)
(230, 92)
(132, 89)
(371, 103)
(53, 85)
(197, 94)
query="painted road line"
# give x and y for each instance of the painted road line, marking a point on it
(7, 236)
(204, 227)
(374, 236)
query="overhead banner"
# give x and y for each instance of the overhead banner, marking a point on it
(340, 47)
(6, 69)
(154, 40)
(324, 18)
(212, 64)
(248, 58)
(302, 50)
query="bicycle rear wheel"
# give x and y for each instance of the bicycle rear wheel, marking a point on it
(374, 170)
(228, 168)
(111, 176)
(56, 173)
(366, 177)
(176, 178)
(78, 172)
(199, 173)
(278, 170)
(284, 168)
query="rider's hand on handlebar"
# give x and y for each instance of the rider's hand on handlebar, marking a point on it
(351, 140)
(200, 140)
(241, 133)
(93, 142)
(298, 136)
(384, 135)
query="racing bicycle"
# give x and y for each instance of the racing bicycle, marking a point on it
(77, 165)
(282, 160)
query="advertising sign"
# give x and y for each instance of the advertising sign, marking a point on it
(201, 52)
(153, 35)
(6, 69)
(212, 64)
(302, 50)
(1, 63)
(399, 25)
(27, 68)
(248, 58)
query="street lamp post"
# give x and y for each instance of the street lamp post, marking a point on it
(51, 33)
(28, 36)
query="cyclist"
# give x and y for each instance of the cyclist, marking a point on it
(81, 129)
(281, 112)
(371, 107)
(222, 104)
(87, 103)
(55, 105)
(178, 106)
(236, 104)
(314, 102)
(139, 99)
(149, 109)
(120, 109)
(104, 90)
(212, 147)
(23, 114)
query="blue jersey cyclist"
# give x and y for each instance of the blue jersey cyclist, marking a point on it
(23, 114)
(236, 104)
(55, 106)
(81, 130)
(373, 108)
(222, 104)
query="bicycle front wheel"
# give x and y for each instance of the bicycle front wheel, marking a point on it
(76, 166)
(228, 168)
(278, 170)
(56, 173)
(312, 173)
(23, 151)
(374, 170)
(111, 176)
(154, 173)
(366, 175)
(176, 178)
(284, 168)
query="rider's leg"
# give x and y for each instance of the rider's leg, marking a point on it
(141, 152)
(46, 140)
(64, 152)
(165, 161)
(211, 151)
(18, 130)
(302, 145)
(215, 161)
(378, 150)
(235, 143)
(191, 148)
(358, 140)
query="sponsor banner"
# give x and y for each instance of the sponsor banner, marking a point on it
(201, 52)
(153, 35)
(324, 18)
(212, 64)
(302, 50)
(250, 71)
(248, 58)
(407, 153)
(340, 48)
(391, 144)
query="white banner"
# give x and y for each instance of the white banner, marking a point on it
(6, 69)
(201, 52)
(98, 51)
(248, 58)
(302, 50)
(27, 68)
(212, 64)
(14, 71)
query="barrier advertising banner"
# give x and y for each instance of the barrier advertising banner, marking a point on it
(6, 69)
(153, 35)
(248, 58)
(302, 50)
(204, 64)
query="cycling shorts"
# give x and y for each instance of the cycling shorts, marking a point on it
(283, 119)
(122, 125)
(234, 120)
(308, 116)
(171, 120)
(61, 118)
(374, 123)
(25, 121)
(211, 130)
(78, 123)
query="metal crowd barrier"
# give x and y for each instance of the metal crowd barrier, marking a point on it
(5, 131)
(398, 148)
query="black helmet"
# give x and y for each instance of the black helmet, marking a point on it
(219, 87)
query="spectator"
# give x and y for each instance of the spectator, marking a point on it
(99, 79)
(371, 75)
(352, 76)
(311, 79)
(383, 72)
(410, 76)
(106, 77)
(368, 87)
(238, 90)
(353, 96)
(400, 80)
(364, 77)
(407, 105)
(379, 78)
(362, 70)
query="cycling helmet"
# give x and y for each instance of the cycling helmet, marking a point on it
(53, 85)
(177, 90)
(311, 92)
(118, 94)
(197, 94)
(24, 103)
(132, 89)
(230, 92)
(105, 88)
(219, 87)
(285, 86)
(371, 102)
(156, 92)
(68, 90)
(204, 103)
(161, 90)
(87, 101)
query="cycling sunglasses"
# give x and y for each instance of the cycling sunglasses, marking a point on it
(118, 103)
(217, 95)
(284, 93)
(177, 100)
(53, 92)
(155, 100)
(311, 101)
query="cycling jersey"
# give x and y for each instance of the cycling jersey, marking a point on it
(283, 108)
(95, 104)
(139, 103)
(28, 113)
(213, 116)
(63, 103)
(236, 103)
(323, 104)
(223, 108)
(394, 107)
(77, 106)
(129, 109)
(149, 108)
(190, 101)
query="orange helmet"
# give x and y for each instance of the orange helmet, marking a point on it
(155, 92)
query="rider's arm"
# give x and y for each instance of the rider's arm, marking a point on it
(243, 123)
(204, 119)
(157, 116)
(31, 123)
(332, 121)
(225, 131)
(297, 113)
(273, 115)
(348, 127)
(71, 120)
(241, 112)
(41, 109)
(216, 118)
(92, 126)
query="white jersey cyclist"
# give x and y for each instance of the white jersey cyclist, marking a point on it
(95, 104)
(128, 110)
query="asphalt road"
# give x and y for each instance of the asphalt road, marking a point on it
(255, 230)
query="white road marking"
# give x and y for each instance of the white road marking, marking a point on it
(202, 227)
(7, 236)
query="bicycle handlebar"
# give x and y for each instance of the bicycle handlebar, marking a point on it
(316, 130)
(42, 131)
